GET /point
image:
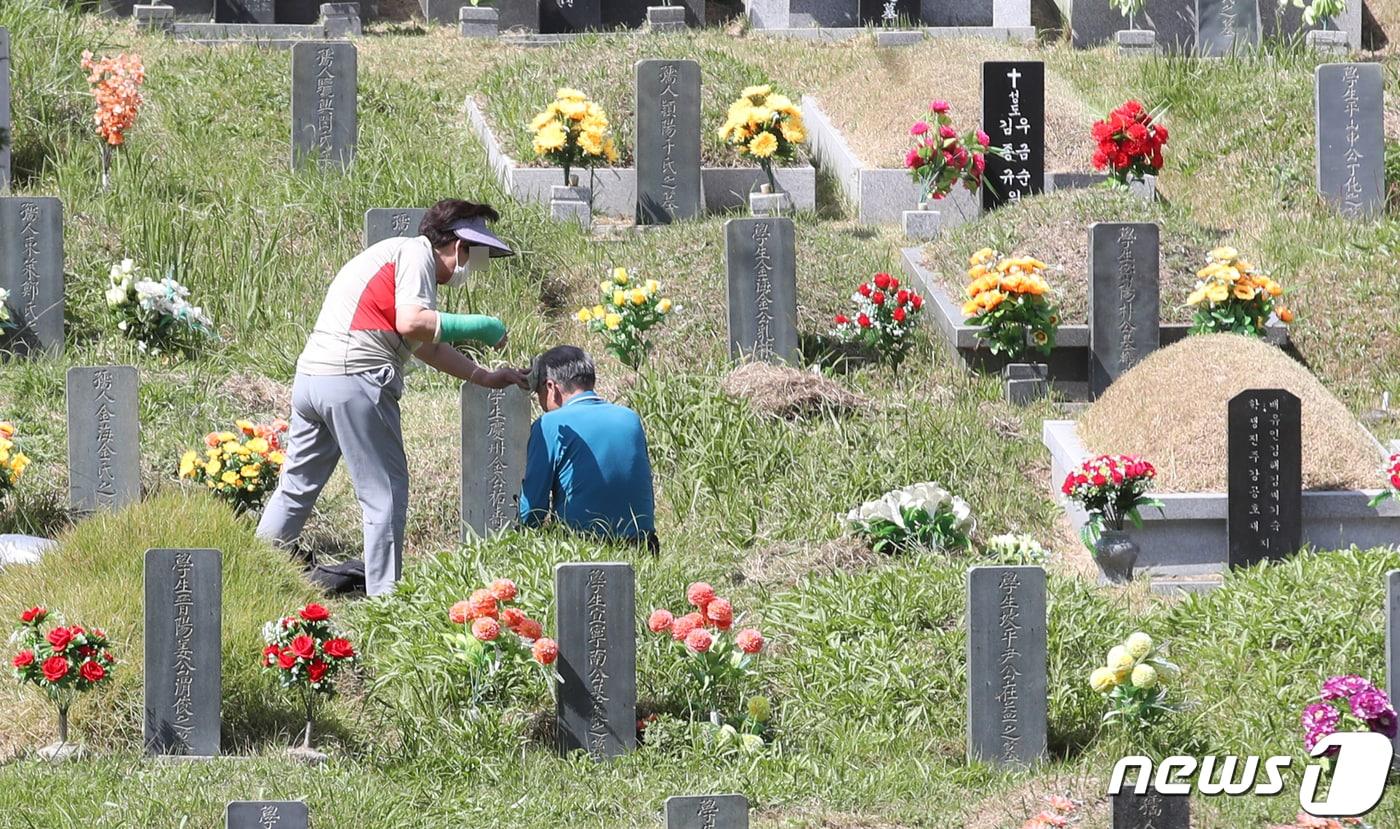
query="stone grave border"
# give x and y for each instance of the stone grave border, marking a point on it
(898, 37)
(615, 188)
(880, 195)
(337, 22)
(1098, 23)
(1188, 537)
(1068, 361)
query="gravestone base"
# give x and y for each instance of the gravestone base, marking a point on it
(1025, 383)
(154, 18)
(899, 38)
(479, 21)
(666, 18)
(1137, 41)
(769, 204)
(572, 203)
(61, 752)
(307, 755)
(769, 14)
(341, 20)
(922, 224)
(1328, 42)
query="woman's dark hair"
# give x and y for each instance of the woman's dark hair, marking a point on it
(448, 212)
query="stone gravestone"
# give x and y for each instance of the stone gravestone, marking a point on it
(6, 123)
(389, 222)
(595, 605)
(712, 811)
(668, 141)
(104, 450)
(563, 16)
(325, 120)
(1124, 312)
(495, 433)
(31, 269)
(1151, 810)
(760, 258)
(1223, 25)
(184, 687)
(245, 11)
(1392, 638)
(1350, 100)
(889, 12)
(1265, 512)
(266, 814)
(963, 13)
(1006, 665)
(1013, 116)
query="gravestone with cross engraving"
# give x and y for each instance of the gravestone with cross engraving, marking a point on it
(31, 271)
(325, 114)
(6, 123)
(184, 686)
(668, 141)
(266, 814)
(1150, 810)
(1124, 300)
(495, 432)
(707, 811)
(595, 605)
(1265, 459)
(104, 449)
(1013, 116)
(389, 222)
(760, 258)
(1006, 665)
(1350, 102)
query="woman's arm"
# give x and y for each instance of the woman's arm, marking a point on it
(449, 360)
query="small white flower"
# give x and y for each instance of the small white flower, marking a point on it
(116, 273)
(121, 326)
(141, 345)
(128, 266)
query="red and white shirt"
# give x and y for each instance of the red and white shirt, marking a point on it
(356, 329)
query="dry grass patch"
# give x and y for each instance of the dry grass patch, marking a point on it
(786, 563)
(1011, 809)
(1172, 409)
(789, 393)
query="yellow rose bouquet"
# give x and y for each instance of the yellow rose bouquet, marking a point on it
(1009, 300)
(12, 461)
(625, 311)
(573, 132)
(765, 126)
(1234, 296)
(1134, 679)
(239, 467)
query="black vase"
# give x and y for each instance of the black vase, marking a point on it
(1116, 553)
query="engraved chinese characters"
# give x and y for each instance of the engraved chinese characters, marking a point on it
(1350, 100)
(266, 814)
(184, 688)
(596, 613)
(714, 811)
(1151, 810)
(559, 16)
(1013, 116)
(495, 434)
(104, 457)
(324, 111)
(1006, 664)
(31, 269)
(1221, 25)
(1124, 312)
(668, 140)
(389, 222)
(1265, 518)
(761, 260)
(246, 11)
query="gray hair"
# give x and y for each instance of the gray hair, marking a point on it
(568, 366)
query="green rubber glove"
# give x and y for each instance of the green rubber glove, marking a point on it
(456, 328)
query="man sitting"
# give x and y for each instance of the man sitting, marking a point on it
(587, 461)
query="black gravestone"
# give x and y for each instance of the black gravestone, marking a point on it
(889, 12)
(31, 269)
(495, 435)
(6, 123)
(325, 118)
(266, 814)
(564, 16)
(1392, 638)
(596, 618)
(668, 141)
(1265, 513)
(1350, 103)
(1151, 810)
(389, 222)
(1013, 116)
(1124, 299)
(184, 687)
(760, 259)
(962, 13)
(245, 11)
(104, 449)
(712, 811)
(1224, 25)
(1006, 665)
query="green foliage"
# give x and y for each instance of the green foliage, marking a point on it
(918, 529)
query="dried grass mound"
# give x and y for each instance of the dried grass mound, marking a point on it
(1172, 409)
(784, 564)
(788, 392)
(258, 396)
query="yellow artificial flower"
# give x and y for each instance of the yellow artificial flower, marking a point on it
(971, 308)
(612, 321)
(551, 138)
(187, 462)
(619, 298)
(4, 455)
(244, 426)
(610, 151)
(212, 468)
(756, 92)
(6, 443)
(257, 445)
(584, 315)
(793, 133)
(759, 117)
(605, 286)
(591, 143)
(664, 306)
(1224, 252)
(652, 286)
(229, 477)
(1120, 662)
(7, 429)
(541, 120)
(569, 94)
(1217, 291)
(1145, 676)
(573, 110)
(1197, 296)
(277, 458)
(639, 296)
(981, 256)
(1138, 645)
(250, 471)
(1245, 292)
(619, 276)
(597, 312)
(763, 145)
(1102, 680)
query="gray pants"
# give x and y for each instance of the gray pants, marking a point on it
(356, 416)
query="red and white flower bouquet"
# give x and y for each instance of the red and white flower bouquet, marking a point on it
(306, 653)
(882, 316)
(63, 662)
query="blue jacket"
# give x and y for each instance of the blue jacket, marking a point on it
(587, 464)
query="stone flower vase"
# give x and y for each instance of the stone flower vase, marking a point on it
(1116, 554)
(62, 750)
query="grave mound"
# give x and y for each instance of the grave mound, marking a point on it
(1172, 409)
(788, 392)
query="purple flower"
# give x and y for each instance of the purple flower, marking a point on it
(1384, 724)
(1345, 687)
(1371, 704)
(1320, 715)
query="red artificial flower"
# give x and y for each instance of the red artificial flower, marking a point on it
(59, 638)
(92, 672)
(303, 647)
(682, 626)
(338, 648)
(699, 640)
(482, 605)
(486, 629)
(315, 613)
(511, 617)
(902, 297)
(913, 159)
(878, 298)
(530, 629)
(459, 612)
(660, 620)
(270, 654)
(545, 651)
(503, 590)
(33, 615)
(842, 319)
(23, 659)
(918, 302)
(749, 640)
(863, 321)
(316, 671)
(864, 289)
(940, 107)
(719, 613)
(699, 594)
(54, 668)
(882, 281)
(286, 660)
(899, 315)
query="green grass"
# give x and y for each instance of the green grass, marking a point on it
(866, 670)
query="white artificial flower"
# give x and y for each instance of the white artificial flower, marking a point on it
(141, 345)
(116, 273)
(121, 326)
(115, 296)
(128, 266)
(963, 513)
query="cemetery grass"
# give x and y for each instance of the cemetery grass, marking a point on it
(866, 666)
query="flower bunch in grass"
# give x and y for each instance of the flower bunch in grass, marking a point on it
(1390, 490)
(1234, 296)
(499, 642)
(306, 653)
(882, 316)
(573, 131)
(923, 515)
(1011, 548)
(1059, 812)
(1129, 143)
(1318, 12)
(1112, 489)
(1347, 703)
(764, 126)
(626, 310)
(942, 158)
(116, 87)
(13, 462)
(62, 661)
(1008, 300)
(1130, 9)
(156, 314)
(1134, 679)
(240, 467)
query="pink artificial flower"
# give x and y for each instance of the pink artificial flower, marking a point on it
(699, 594)
(940, 107)
(749, 640)
(919, 128)
(699, 640)
(660, 620)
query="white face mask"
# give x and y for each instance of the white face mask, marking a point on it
(461, 270)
